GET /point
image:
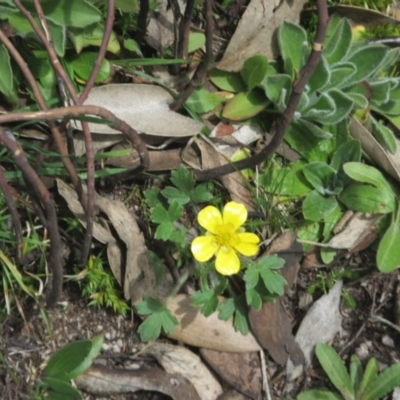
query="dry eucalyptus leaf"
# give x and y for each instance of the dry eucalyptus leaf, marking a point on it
(130, 263)
(144, 107)
(255, 34)
(104, 381)
(356, 230)
(179, 360)
(241, 370)
(388, 162)
(207, 332)
(320, 325)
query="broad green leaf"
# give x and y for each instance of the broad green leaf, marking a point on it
(361, 172)
(127, 6)
(196, 41)
(6, 76)
(340, 74)
(321, 76)
(380, 90)
(277, 89)
(319, 109)
(335, 369)
(338, 40)
(73, 359)
(245, 105)
(229, 81)
(323, 178)
(390, 108)
(292, 41)
(92, 35)
(58, 389)
(316, 207)
(202, 101)
(371, 370)
(318, 394)
(254, 71)
(314, 129)
(346, 152)
(344, 105)
(83, 66)
(359, 100)
(367, 59)
(367, 198)
(356, 372)
(330, 221)
(388, 255)
(310, 231)
(384, 135)
(132, 45)
(383, 383)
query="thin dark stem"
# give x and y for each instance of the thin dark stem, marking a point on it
(184, 30)
(14, 213)
(36, 185)
(203, 66)
(282, 123)
(142, 21)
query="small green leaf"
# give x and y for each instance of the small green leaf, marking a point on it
(384, 135)
(159, 318)
(388, 255)
(159, 214)
(229, 81)
(367, 198)
(196, 41)
(183, 179)
(83, 66)
(245, 105)
(201, 194)
(314, 129)
(207, 299)
(318, 394)
(253, 299)
(340, 74)
(172, 194)
(334, 368)
(356, 372)
(202, 101)
(153, 197)
(254, 71)
(369, 376)
(277, 89)
(6, 76)
(380, 90)
(390, 108)
(316, 207)
(321, 76)
(292, 41)
(383, 383)
(74, 359)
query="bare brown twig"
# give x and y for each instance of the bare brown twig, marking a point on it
(203, 66)
(282, 123)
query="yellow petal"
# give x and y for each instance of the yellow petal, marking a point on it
(210, 218)
(234, 214)
(248, 243)
(204, 247)
(227, 262)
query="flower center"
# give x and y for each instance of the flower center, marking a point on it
(226, 235)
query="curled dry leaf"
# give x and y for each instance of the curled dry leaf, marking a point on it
(179, 360)
(130, 263)
(144, 107)
(104, 381)
(320, 325)
(207, 332)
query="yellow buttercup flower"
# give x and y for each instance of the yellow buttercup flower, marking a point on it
(224, 237)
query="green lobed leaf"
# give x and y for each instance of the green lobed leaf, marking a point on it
(254, 299)
(335, 369)
(201, 194)
(245, 105)
(226, 80)
(383, 383)
(159, 214)
(73, 359)
(316, 207)
(367, 198)
(202, 101)
(292, 40)
(273, 281)
(338, 40)
(171, 194)
(388, 255)
(164, 231)
(323, 178)
(254, 71)
(207, 299)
